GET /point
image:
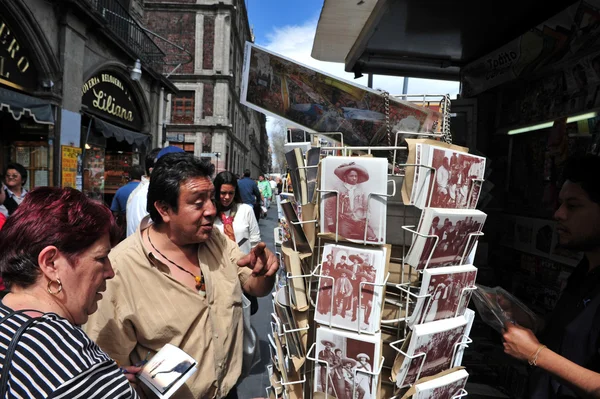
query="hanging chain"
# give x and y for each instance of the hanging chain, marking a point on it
(447, 134)
(388, 127)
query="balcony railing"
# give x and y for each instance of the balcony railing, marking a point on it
(130, 32)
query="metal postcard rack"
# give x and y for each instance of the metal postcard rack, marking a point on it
(397, 327)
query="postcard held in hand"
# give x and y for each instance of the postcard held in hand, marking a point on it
(167, 371)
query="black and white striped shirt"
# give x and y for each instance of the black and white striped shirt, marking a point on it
(55, 359)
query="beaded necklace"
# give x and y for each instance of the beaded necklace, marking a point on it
(200, 283)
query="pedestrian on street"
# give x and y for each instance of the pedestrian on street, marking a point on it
(15, 178)
(119, 202)
(250, 193)
(136, 207)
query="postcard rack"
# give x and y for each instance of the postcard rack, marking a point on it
(405, 291)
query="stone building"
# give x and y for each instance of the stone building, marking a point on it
(73, 108)
(206, 116)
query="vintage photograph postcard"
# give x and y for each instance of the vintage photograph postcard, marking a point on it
(341, 298)
(349, 184)
(439, 341)
(312, 100)
(453, 185)
(167, 371)
(444, 387)
(349, 358)
(443, 294)
(453, 227)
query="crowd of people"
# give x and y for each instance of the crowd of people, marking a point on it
(80, 311)
(93, 307)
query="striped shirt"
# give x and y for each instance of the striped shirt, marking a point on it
(55, 359)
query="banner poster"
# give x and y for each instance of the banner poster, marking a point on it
(560, 40)
(70, 160)
(318, 102)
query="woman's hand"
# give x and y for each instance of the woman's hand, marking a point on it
(519, 342)
(131, 373)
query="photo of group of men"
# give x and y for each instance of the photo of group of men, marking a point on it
(283, 88)
(453, 237)
(344, 269)
(457, 176)
(349, 362)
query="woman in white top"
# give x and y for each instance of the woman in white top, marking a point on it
(235, 219)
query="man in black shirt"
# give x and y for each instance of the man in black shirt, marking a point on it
(568, 362)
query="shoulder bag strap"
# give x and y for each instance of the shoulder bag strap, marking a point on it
(12, 347)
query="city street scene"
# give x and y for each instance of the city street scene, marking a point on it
(299, 199)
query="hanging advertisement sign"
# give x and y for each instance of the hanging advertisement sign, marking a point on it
(71, 161)
(319, 102)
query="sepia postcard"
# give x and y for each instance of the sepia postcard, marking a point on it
(457, 231)
(445, 293)
(347, 364)
(435, 346)
(349, 208)
(345, 297)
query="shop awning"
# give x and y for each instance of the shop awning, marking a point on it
(120, 134)
(19, 104)
(426, 39)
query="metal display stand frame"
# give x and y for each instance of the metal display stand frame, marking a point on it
(407, 294)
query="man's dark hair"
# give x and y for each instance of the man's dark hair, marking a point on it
(136, 172)
(247, 173)
(169, 173)
(149, 160)
(19, 168)
(585, 171)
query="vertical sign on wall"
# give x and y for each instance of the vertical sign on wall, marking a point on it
(70, 157)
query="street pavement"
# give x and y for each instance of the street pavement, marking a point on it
(255, 384)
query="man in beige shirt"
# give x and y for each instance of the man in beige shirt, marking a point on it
(179, 281)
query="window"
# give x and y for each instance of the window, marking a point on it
(182, 108)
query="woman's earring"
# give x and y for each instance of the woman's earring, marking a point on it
(50, 287)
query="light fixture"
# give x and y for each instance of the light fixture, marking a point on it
(87, 146)
(546, 125)
(136, 71)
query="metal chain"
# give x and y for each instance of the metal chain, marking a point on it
(386, 103)
(447, 134)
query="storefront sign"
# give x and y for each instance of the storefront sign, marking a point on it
(567, 35)
(16, 67)
(71, 159)
(176, 137)
(107, 95)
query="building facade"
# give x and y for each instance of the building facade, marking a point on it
(72, 110)
(206, 116)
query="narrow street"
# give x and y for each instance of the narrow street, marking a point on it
(254, 385)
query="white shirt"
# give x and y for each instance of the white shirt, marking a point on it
(10, 194)
(244, 226)
(273, 186)
(136, 208)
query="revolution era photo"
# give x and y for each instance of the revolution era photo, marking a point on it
(348, 206)
(350, 358)
(345, 298)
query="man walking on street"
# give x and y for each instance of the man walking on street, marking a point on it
(250, 193)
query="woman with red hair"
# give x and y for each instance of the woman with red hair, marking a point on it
(54, 261)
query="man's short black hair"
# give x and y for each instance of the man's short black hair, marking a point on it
(247, 173)
(20, 169)
(149, 160)
(585, 171)
(136, 172)
(169, 173)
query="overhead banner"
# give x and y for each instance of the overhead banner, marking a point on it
(319, 102)
(563, 37)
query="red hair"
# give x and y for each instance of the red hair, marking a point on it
(62, 217)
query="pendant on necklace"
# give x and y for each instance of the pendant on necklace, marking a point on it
(200, 286)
